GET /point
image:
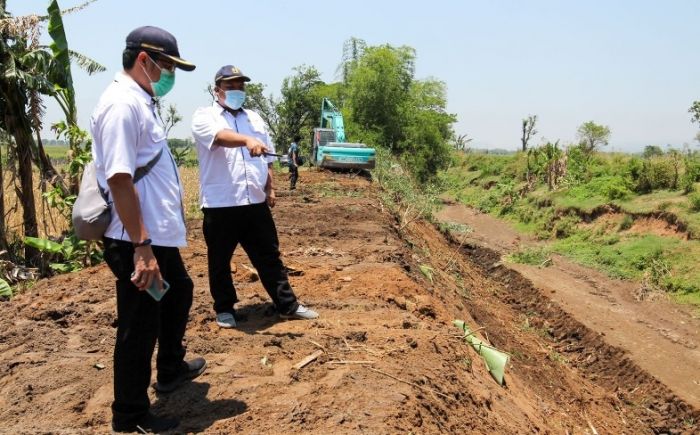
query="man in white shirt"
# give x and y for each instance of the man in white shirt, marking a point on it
(142, 240)
(235, 174)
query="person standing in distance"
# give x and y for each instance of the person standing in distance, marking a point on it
(147, 228)
(293, 154)
(236, 195)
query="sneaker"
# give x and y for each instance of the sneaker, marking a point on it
(148, 424)
(190, 370)
(225, 320)
(301, 313)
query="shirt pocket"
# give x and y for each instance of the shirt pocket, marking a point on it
(156, 133)
(257, 128)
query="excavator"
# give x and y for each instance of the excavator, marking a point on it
(329, 148)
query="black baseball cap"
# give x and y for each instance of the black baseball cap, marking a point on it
(230, 72)
(157, 40)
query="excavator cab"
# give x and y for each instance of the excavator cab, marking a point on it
(329, 148)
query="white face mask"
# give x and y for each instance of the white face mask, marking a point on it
(234, 99)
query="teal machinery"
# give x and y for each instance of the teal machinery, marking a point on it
(329, 148)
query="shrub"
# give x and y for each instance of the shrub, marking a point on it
(610, 187)
(694, 200)
(565, 227)
(626, 223)
(656, 173)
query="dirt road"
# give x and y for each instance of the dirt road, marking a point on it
(661, 337)
(390, 361)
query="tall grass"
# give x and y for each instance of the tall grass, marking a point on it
(400, 192)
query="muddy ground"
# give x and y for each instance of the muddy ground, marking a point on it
(390, 361)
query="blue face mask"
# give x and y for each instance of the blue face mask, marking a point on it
(234, 99)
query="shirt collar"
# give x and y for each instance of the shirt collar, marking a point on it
(221, 110)
(128, 82)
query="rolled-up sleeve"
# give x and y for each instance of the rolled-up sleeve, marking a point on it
(205, 127)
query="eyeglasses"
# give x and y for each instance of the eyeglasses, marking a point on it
(162, 62)
(169, 66)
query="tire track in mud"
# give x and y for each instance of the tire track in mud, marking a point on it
(604, 365)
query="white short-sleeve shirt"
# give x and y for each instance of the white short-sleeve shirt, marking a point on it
(127, 135)
(230, 177)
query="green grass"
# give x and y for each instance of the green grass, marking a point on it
(628, 257)
(532, 256)
(56, 152)
(653, 201)
(585, 204)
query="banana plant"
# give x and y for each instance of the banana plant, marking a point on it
(29, 71)
(67, 256)
(64, 92)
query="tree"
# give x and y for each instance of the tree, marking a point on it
(428, 130)
(266, 106)
(379, 93)
(389, 108)
(461, 142)
(652, 151)
(592, 136)
(170, 119)
(353, 49)
(296, 111)
(299, 107)
(528, 130)
(695, 112)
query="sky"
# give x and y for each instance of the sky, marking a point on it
(632, 65)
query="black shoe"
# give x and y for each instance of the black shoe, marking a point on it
(190, 370)
(148, 424)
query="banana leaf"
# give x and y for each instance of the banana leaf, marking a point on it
(5, 289)
(495, 359)
(43, 245)
(59, 46)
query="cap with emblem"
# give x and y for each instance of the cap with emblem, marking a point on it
(157, 40)
(230, 72)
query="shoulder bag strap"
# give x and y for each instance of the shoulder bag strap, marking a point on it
(144, 170)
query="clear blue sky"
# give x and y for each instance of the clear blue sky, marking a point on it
(630, 64)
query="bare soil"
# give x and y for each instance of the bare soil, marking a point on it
(390, 361)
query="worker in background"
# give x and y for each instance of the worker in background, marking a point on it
(236, 194)
(294, 162)
(147, 227)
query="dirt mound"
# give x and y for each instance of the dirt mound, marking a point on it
(390, 360)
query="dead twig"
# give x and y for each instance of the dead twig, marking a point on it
(306, 361)
(420, 387)
(590, 425)
(350, 362)
(320, 346)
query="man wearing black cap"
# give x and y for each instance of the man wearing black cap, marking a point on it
(147, 227)
(236, 194)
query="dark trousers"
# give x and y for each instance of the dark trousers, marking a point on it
(253, 227)
(140, 322)
(293, 176)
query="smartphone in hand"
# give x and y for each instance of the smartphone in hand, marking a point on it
(153, 289)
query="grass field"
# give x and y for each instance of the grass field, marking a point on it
(602, 223)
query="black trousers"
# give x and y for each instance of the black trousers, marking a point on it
(253, 227)
(293, 176)
(141, 321)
